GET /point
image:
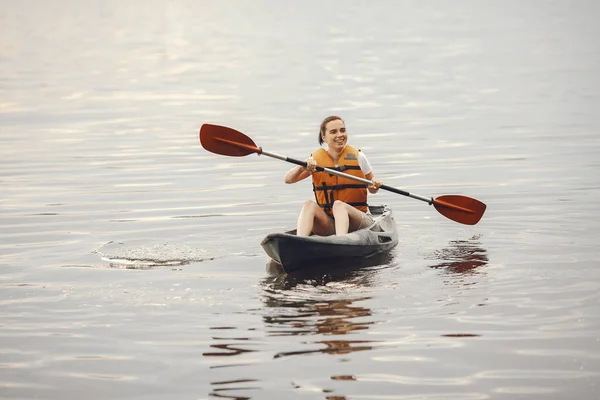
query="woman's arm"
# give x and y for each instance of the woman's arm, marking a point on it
(296, 174)
(365, 165)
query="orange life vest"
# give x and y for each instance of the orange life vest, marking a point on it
(328, 187)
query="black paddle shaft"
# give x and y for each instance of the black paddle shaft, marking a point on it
(428, 200)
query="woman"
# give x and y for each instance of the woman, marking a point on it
(341, 205)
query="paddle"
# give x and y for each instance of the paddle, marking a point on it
(229, 142)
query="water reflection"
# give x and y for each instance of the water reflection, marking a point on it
(461, 264)
(320, 317)
(328, 306)
(357, 272)
(463, 257)
(221, 388)
(316, 303)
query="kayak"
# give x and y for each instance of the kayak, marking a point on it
(297, 253)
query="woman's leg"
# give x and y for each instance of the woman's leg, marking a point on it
(312, 218)
(347, 218)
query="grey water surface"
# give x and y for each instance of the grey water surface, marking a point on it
(130, 258)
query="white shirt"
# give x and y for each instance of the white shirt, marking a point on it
(364, 163)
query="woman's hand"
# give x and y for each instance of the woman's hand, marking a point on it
(311, 165)
(374, 187)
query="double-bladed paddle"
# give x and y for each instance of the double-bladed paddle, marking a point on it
(229, 142)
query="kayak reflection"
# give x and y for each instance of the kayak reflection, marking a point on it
(321, 303)
(324, 318)
(316, 302)
(322, 273)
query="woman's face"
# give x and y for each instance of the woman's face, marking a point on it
(335, 135)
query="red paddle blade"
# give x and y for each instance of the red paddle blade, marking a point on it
(226, 141)
(462, 209)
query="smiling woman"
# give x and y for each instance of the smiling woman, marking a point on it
(341, 204)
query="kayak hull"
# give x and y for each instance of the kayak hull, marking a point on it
(297, 253)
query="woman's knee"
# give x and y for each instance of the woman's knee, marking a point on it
(310, 205)
(338, 206)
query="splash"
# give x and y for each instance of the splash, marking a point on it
(123, 255)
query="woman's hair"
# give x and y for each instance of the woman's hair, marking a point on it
(324, 125)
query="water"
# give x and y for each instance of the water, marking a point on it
(130, 257)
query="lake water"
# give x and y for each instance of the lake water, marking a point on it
(130, 258)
